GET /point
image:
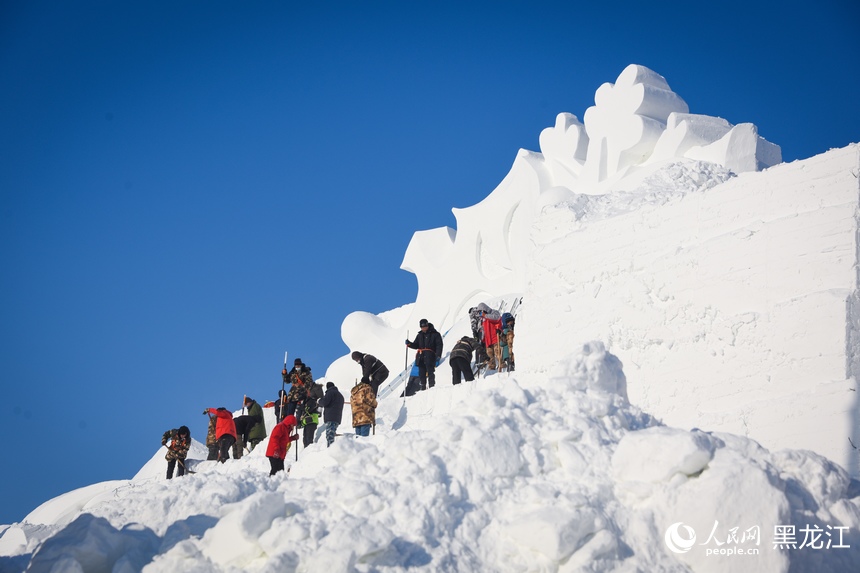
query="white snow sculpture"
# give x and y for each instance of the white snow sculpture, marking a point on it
(489, 251)
(740, 150)
(684, 131)
(626, 121)
(484, 258)
(563, 148)
(637, 124)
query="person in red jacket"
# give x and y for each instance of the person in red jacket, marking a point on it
(279, 442)
(225, 431)
(492, 328)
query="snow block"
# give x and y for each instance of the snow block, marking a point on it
(491, 453)
(553, 535)
(733, 492)
(92, 544)
(684, 131)
(592, 368)
(233, 540)
(657, 454)
(740, 150)
(825, 481)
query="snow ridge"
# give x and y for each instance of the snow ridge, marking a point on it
(517, 472)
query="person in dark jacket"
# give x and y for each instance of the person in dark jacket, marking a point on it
(373, 370)
(506, 341)
(476, 321)
(180, 442)
(225, 431)
(250, 428)
(461, 359)
(281, 402)
(428, 343)
(310, 413)
(332, 405)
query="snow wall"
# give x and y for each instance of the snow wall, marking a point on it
(727, 286)
(734, 309)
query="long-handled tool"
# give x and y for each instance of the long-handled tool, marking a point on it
(283, 388)
(182, 463)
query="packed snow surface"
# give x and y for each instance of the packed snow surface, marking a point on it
(515, 472)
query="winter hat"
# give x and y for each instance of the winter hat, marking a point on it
(329, 385)
(298, 362)
(357, 355)
(183, 431)
(248, 399)
(423, 322)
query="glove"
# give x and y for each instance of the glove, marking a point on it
(408, 342)
(365, 380)
(163, 442)
(206, 411)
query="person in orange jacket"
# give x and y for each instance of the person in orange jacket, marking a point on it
(279, 442)
(225, 431)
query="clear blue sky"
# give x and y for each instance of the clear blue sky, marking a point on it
(187, 189)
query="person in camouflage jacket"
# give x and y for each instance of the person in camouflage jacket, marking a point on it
(301, 379)
(363, 404)
(211, 440)
(180, 442)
